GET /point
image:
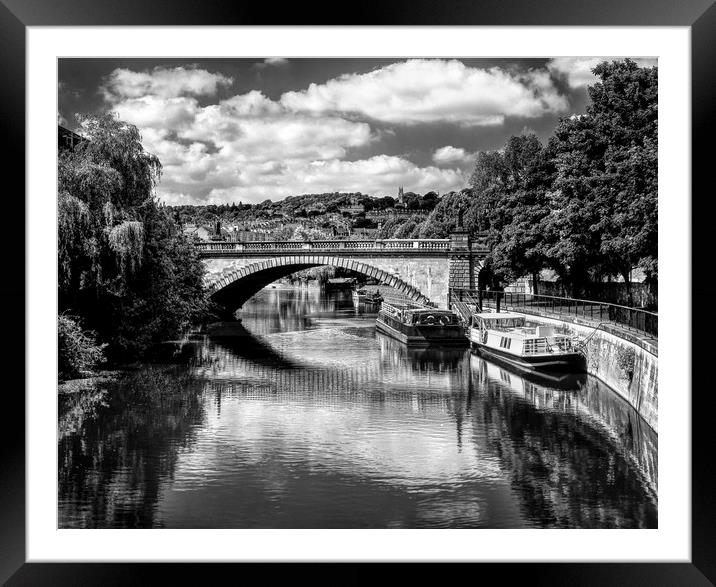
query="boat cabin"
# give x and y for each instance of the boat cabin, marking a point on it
(497, 320)
(509, 333)
(420, 315)
(422, 326)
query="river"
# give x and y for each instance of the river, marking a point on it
(303, 416)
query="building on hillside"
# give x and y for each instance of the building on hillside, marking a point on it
(319, 207)
(365, 232)
(250, 236)
(66, 139)
(352, 209)
(195, 232)
(340, 231)
(401, 199)
(379, 215)
(411, 213)
(388, 213)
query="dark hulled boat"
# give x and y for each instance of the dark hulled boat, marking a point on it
(363, 296)
(420, 326)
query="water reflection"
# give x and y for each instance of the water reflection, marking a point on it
(574, 455)
(119, 444)
(303, 416)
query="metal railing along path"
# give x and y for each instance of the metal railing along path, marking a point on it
(635, 319)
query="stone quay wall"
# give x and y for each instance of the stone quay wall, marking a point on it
(627, 364)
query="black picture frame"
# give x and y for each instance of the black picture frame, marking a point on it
(16, 15)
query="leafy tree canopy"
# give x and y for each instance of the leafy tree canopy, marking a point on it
(125, 269)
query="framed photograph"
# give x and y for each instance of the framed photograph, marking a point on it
(305, 291)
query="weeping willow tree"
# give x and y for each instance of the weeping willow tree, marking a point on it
(124, 267)
(127, 242)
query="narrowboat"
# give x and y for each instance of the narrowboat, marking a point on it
(418, 326)
(363, 296)
(506, 337)
(339, 283)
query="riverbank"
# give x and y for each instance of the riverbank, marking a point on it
(162, 356)
(626, 364)
(90, 383)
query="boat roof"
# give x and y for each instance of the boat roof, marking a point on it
(428, 311)
(498, 315)
(400, 305)
(342, 280)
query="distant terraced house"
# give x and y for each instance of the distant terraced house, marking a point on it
(352, 209)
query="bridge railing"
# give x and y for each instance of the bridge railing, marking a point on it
(634, 319)
(322, 245)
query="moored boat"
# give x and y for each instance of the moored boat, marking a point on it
(363, 296)
(417, 325)
(506, 337)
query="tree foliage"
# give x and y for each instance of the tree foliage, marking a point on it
(124, 267)
(605, 186)
(511, 200)
(444, 217)
(584, 205)
(78, 351)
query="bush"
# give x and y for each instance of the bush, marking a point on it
(78, 352)
(626, 361)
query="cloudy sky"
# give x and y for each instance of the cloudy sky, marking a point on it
(229, 130)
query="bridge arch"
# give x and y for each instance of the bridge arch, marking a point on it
(233, 288)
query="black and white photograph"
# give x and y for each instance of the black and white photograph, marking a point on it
(357, 293)
(329, 289)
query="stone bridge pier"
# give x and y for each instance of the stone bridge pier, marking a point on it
(424, 270)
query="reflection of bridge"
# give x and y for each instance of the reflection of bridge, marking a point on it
(281, 374)
(422, 269)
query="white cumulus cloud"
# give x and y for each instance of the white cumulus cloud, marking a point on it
(249, 147)
(578, 70)
(162, 82)
(273, 61)
(433, 90)
(245, 147)
(450, 155)
(378, 175)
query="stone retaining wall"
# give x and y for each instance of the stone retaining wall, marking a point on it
(625, 363)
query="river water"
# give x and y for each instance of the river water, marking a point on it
(303, 416)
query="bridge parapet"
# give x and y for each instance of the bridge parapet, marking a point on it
(402, 246)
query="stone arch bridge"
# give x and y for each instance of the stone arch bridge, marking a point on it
(424, 270)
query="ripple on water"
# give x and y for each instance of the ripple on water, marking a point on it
(317, 422)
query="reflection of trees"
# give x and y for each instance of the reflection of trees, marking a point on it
(567, 470)
(77, 408)
(114, 458)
